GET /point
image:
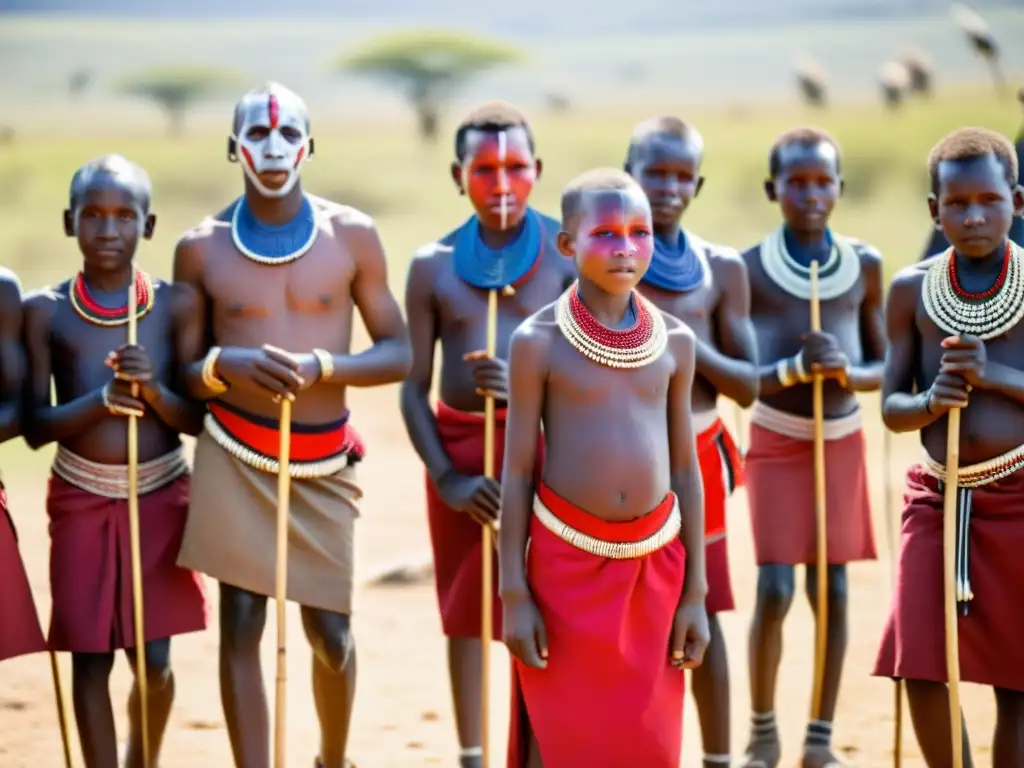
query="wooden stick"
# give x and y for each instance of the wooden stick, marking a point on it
(741, 436)
(487, 546)
(62, 717)
(281, 585)
(821, 619)
(890, 529)
(135, 536)
(949, 584)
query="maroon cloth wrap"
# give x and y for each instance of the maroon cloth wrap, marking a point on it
(992, 633)
(20, 631)
(91, 569)
(456, 538)
(721, 470)
(609, 695)
(780, 491)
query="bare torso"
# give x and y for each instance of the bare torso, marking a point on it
(781, 320)
(606, 429)
(304, 304)
(78, 352)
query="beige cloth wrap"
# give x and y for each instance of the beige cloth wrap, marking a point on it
(231, 532)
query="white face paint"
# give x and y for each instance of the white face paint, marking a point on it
(503, 176)
(273, 137)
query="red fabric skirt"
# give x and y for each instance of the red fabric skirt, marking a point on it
(91, 569)
(780, 489)
(721, 469)
(609, 696)
(456, 538)
(992, 633)
(20, 631)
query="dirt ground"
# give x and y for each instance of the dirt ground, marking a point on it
(403, 712)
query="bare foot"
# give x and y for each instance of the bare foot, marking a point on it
(764, 753)
(820, 757)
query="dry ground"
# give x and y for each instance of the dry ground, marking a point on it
(403, 715)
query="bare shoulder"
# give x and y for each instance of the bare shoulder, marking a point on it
(428, 258)
(533, 337)
(342, 217)
(911, 277)
(194, 243)
(41, 305)
(870, 256)
(726, 263)
(679, 333)
(183, 297)
(10, 288)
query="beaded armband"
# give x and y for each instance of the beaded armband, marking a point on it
(798, 369)
(210, 379)
(326, 360)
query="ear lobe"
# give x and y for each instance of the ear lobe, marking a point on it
(147, 231)
(538, 168)
(456, 171)
(312, 149)
(700, 186)
(566, 247)
(69, 223)
(933, 210)
(1018, 201)
(842, 186)
(232, 150)
(769, 190)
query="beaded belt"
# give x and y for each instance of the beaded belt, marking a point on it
(801, 427)
(321, 452)
(111, 480)
(613, 550)
(967, 479)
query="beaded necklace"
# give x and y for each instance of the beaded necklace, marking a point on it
(273, 245)
(836, 275)
(493, 268)
(675, 266)
(88, 309)
(633, 347)
(986, 315)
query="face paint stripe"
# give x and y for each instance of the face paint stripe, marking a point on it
(298, 157)
(273, 110)
(248, 158)
(503, 176)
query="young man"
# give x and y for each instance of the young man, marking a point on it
(75, 334)
(20, 633)
(280, 268)
(805, 182)
(602, 561)
(937, 241)
(705, 286)
(955, 341)
(504, 243)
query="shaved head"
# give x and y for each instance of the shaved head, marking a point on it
(111, 171)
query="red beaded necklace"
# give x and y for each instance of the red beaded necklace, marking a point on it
(633, 337)
(958, 289)
(89, 310)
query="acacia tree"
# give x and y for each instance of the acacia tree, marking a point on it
(175, 89)
(427, 67)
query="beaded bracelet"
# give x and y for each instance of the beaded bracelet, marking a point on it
(326, 360)
(210, 379)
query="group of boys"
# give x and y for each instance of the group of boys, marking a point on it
(612, 551)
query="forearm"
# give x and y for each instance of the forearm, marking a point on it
(10, 420)
(386, 362)
(54, 423)
(907, 412)
(1007, 381)
(196, 385)
(689, 489)
(180, 414)
(866, 377)
(516, 508)
(421, 425)
(769, 383)
(736, 379)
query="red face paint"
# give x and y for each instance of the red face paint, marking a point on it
(499, 171)
(614, 239)
(272, 110)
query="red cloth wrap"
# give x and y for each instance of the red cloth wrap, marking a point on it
(992, 633)
(456, 538)
(91, 569)
(309, 442)
(20, 632)
(609, 696)
(721, 469)
(780, 491)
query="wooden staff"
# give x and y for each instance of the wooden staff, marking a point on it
(741, 438)
(890, 529)
(133, 528)
(281, 585)
(487, 548)
(62, 716)
(820, 503)
(949, 583)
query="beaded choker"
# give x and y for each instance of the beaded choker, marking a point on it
(493, 268)
(675, 267)
(986, 315)
(272, 245)
(89, 310)
(633, 347)
(836, 275)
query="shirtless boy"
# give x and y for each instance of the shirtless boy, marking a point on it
(955, 341)
(446, 302)
(20, 633)
(75, 334)
(704, 285)
(602, 561)
(805, 181)
(276, 269)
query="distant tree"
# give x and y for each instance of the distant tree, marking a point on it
(427, 66)
(175, 89)
(79, 80)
